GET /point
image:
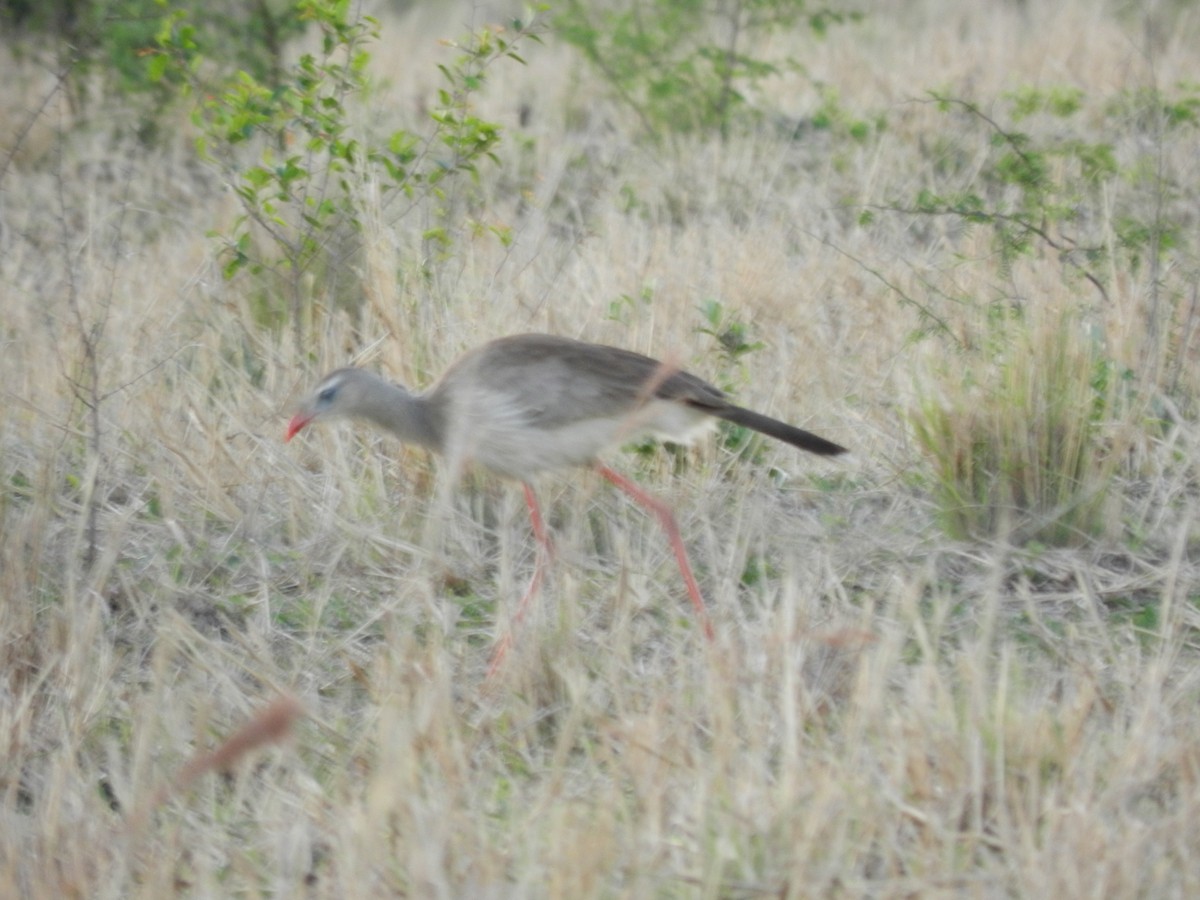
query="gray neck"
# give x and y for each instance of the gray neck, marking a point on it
(410, 417)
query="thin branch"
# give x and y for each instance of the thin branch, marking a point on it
(59, 81)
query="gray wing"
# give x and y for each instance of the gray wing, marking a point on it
(550, 382)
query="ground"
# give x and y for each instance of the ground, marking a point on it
(888, 709)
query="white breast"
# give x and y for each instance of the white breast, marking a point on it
(497, 436)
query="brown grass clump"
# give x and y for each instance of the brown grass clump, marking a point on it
(1027, 431)
(888, 708)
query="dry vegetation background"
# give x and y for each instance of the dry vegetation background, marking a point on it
(885, 712)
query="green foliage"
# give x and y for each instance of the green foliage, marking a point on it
(296, 164)
(734, 346)
(1057, 101)
(686, 65)
(1151, 108)
(731, 335)
(1053, 192)
(111, 38)
(626, 307)
(832, 116)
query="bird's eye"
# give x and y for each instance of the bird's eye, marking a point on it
(326, 396)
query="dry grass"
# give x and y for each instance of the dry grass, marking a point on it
(885, 712)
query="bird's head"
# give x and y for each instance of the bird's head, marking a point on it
(340, 393)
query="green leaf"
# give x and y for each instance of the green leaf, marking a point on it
(156, 66)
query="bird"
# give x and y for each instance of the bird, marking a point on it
(526, 404)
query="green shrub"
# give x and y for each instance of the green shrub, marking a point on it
(105, 42)
(686, 65)
(289, 151)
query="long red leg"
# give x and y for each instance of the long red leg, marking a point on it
(667, 520)
(535, 584)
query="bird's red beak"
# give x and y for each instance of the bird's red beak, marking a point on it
(299, 420)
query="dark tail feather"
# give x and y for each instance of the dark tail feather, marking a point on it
(782, 431)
